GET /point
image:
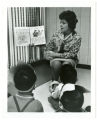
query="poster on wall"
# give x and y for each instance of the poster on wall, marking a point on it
(22, 36)
(29, 35)
(37, 35)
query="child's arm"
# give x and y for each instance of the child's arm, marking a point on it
(53, 85)
(56, 93)
(54, 102)
(53, 88)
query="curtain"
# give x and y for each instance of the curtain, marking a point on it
(23, 17)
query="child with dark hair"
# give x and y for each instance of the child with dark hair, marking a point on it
(24, 101)
(68, 78)
(65, 95)
(68, 74)
(72, 101)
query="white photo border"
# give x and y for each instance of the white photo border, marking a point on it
(4, 59)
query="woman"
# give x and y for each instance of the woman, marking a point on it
(65, 44)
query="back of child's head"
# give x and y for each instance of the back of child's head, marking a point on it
(72, 101)
(24, 77)
(68, 74)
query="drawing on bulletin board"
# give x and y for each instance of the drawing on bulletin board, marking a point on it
(30, 35)
(22, 36)
(37, 35)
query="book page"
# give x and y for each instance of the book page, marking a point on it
(37, 35)
(22, 36)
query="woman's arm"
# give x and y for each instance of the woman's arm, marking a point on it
(72, 53)
(50, 47)
(51, 44)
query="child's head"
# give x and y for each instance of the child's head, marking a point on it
(24, 77)
(68, 74)
(72, 100)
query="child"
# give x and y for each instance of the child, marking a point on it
(24, 101)
(68, 78)
(66, 96)
(72, 101)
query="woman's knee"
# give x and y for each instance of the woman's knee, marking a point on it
(56, 64)
(69, 63)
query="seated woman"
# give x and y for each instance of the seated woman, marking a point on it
(64, 45)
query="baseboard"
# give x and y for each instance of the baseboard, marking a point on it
(40, 62)
(84, 66)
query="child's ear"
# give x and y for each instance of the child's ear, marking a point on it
(82, 89)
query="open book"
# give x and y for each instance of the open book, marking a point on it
(29, 35)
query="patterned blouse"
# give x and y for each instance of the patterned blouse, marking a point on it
(67, 47)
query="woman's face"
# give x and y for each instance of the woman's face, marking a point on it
(64, 26)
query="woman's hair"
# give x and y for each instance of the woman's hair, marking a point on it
(24, 77)
(70, 17)
(72, 100)
(68, 74)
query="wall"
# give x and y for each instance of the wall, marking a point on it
(83, 28)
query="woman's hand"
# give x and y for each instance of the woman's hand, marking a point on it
(49, 55)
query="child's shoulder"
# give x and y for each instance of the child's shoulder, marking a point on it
(37, 105)
(10, 98)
